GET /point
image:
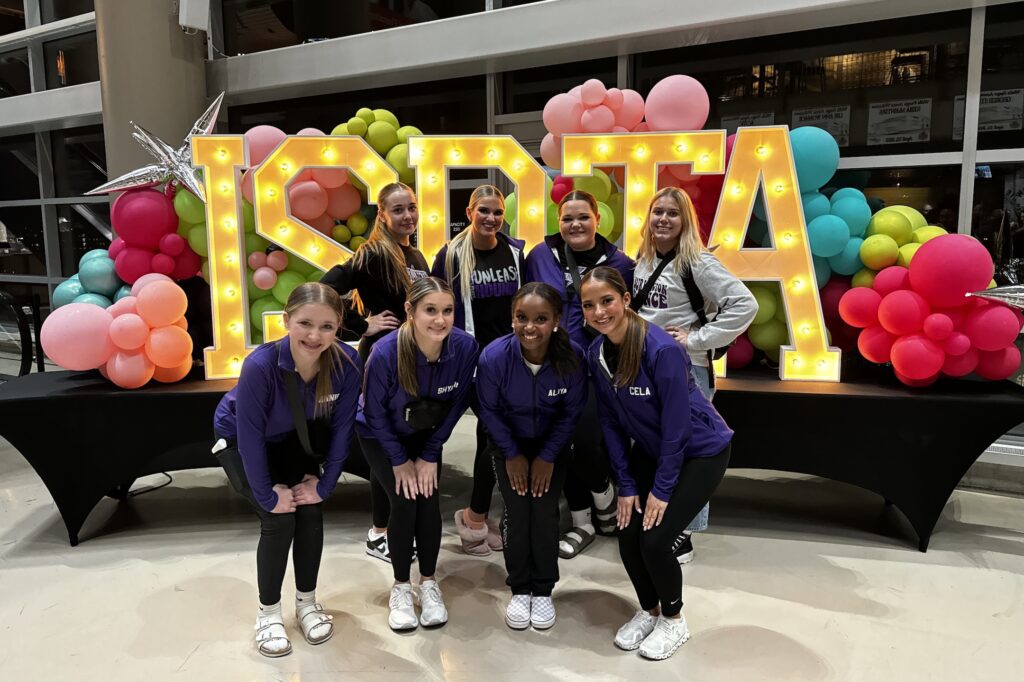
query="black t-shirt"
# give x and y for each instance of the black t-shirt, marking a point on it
(611, 355)
(495, 281)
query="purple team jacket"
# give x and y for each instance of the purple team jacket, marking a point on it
(382, 406)
(256, 411)
(516, 405)
(663, 410)
(544, 265)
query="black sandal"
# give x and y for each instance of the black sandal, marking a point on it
(584, 541)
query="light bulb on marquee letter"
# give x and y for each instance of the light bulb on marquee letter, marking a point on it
(432, 156)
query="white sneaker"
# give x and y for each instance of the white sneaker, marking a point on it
(403, 614)
(378, 546)
(517, 614)
(669, 634)
(633, 633)
(432, 610)
(542, 612)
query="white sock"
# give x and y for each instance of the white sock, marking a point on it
(279, 645)
(374, 535)
(308, 599)
(604, 500)
(581, 519)
(272, 610)
(305, 598)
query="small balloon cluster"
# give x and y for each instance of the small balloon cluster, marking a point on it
(96, 282)
(893, 237)
(148, 239)
(921, 319)
(140, 337)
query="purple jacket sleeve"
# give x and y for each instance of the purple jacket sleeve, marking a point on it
(460, 401)
(670, 379)
(615, 439)
(252, 404)
(380, 382)
(342, 419)
(562, 429)
(488, 392)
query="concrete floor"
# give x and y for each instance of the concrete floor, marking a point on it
(798, 579)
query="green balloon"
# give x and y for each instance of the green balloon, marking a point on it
(256, 337)
(606, 227)
(366, 115)
(405, 132)
(296, 264)
(255, 293)
(357, 224)
(551, 220)
(398, 157)
(355, 243)
(204, 270)
(766, 305)
(386, 116)
(254, 242)
(248, 217)
(360, 187)
(893, 224)
(188, 207)
(267, 304)
(598, 184)
(341, 234)
(382, 136)
(286, 283)
(356, 126)
(511, 202)
(315, 276)
(340, 129)
(768, 335)
(183, 228)
(197, 240)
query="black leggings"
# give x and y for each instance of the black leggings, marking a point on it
(483, 469)
(648, 555)
(419, 518)
(589, 471)
(379, 505)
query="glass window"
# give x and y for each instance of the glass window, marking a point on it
(81, 228)
(258, 25)
(18, 168)
(12, 16)
(79, 160)
(71, 61)
(932, 190)
(1001, 111)
(14, 75)
(21, 241)
(52, 10)
(997, 218)
(890, 92)
(530, 89)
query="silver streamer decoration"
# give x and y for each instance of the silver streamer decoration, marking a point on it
(1012, 295)
(171, 163)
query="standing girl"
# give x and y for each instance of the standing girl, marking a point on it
(532, 385)
(417, 385)
(309, 373)
(485, 267)
(378, 277)
(680, 286)
(679, 453)
(561, 260)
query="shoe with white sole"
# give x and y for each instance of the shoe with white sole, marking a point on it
(542, 613)
(403, 612)
(669, 634)
(271, 638)
(684, 553)
(517, 614)
(632, 634)
(432, 609)
(378, 547)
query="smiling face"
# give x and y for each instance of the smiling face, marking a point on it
(487, 216)
(311, 330)
(666, 223)
(433, 316)
(533, 322)
(578, 225)
(401, 215)
(604, 308)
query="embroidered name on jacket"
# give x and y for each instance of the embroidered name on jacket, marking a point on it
(552, 392)
(329, 399)
(639, 390)
(447, 389)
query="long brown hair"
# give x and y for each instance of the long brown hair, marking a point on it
(632, 348)
(689, 246)
(385, 247)
(461, 247)
(407, 335)
(330, 362)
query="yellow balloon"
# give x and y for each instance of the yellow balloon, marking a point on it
(357, 224)
(865, 277)
(879, 251)
(923, 234)
(907, 252)
(340, 129)
(891, 223)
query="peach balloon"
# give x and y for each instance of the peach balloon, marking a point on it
(141, 282)
(130, 369)
(342, 202)
(183, 323)
(329, 178)
(324, 224)
(168, 347)
(307, 199)
(169, 375)
(123, 306)
(129, 331)
(161, 303)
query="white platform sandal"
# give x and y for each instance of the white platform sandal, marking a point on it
(317, 626)
(271, 639)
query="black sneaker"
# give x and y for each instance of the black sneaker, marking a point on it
(378, 548)
(684, 552)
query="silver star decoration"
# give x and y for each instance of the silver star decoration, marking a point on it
(1012, 295)
(171, 163)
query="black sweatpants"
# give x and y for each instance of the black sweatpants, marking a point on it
(529, 525)
(483, 470)
(419, 518)
(648, 555)
(379, 505)
(589, 470)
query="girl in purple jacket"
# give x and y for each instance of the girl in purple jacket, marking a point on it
(531, 385)
(416, 386)
(679, 454)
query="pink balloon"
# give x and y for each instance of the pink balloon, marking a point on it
(311, 132)
(130, 369)
(76, 336)
(859, 307)
(592, 92)
(132, 263)
(960, 364)
(631, 111)
(123, 307)
(562, 114)
(329, 178)
(261, 141)
(741, 353)
(161, 303)
(559, 190)
(304, 175)
(551, 150)
(641, 127)
(677, 103)
(666, 179)
(162, 263)
(875, 344)
(264, 278)
(116, 247)
(917, 357)
(600, 119)
(991, 327)
(619, 129)
(172, 244)
(957, 344)
(342, 202)
(307, 200)
(256, 260)
(129, 331)
(903, 312)
(613, 99)
(945, 269)
(141, 217)
(917, 383)
(246, 184)
(186, 265)
(993, 365)
(893, 278)
(323, 224)
(938, 327)
(277, 260)
(684, 173)
(577, 92)
(730, 142)
(143, 281)
(831, 294)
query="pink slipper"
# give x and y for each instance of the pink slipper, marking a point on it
(494, 540)
(474, 540)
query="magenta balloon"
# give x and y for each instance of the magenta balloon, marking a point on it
(116, 247)
(172, 244)
(903, 312)
(677, 103)
(741, 353)
(342, 202)
(551, 150)
(957, 344)
(76, 336)
(858, 307)
(892, 278)
(875, 344)
(592, 92)
(631, 112)
(262, 140)
(307, 200)
(186, 265)
(960, 364)
(142, 217)
(991, 327)
(562, 114)
(133, 263)
(264, 278)
(995, 365)
(600, 119)
(937, 326)
(917, 357)
(162, 263)
(945, 269)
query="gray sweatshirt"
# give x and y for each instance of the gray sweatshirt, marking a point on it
(729, 305)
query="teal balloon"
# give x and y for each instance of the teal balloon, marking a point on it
(757, 230)
(67, 291)
(847, 193)
(98, 277)
(74, 277)
(286, 283)
(855, 212)
(95, 299)
(89, 255)
(847, 262)
(188, 207)
(125, 290)
(822, 270)
(827, 235)
(263, 305)
(815, 204)
(816, 156)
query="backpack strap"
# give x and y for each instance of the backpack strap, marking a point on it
(640, 300)
(697, 303)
